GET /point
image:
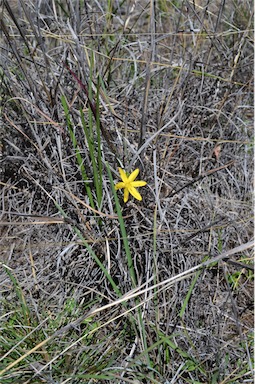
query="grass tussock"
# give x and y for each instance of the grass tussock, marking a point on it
(95, 290)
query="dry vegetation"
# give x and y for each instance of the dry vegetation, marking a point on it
(87, 87)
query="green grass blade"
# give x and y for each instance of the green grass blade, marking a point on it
(187, 298)
(130, 264)
(92, 253)
(22, 301)
(95, 159)
(77, 151)
(123, 231)
(99, 153)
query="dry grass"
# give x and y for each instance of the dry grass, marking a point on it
(175, 98)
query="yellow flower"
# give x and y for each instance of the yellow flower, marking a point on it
(129, 184)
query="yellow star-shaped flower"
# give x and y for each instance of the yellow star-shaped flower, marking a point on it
(129, 184)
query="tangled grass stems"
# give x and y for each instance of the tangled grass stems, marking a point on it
(114, 297)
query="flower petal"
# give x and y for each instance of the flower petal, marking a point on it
(135, 193)
(133, 175)
(123, 175)
(126, 195)
(119, 185)
(138, 183)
